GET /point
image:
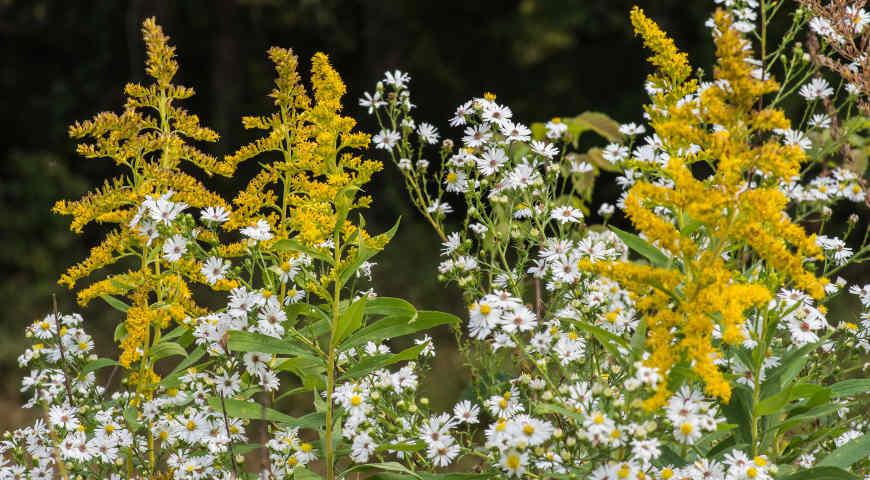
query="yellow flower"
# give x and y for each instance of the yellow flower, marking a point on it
(717, 216)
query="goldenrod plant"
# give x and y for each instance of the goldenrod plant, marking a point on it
(696, 342)
(290, 253)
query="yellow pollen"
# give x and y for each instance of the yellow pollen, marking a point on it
(485, 309)
(624, 472)
(355, 400)
(686, 428)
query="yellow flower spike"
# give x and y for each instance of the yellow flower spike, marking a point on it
(682, 307)
(673, 65)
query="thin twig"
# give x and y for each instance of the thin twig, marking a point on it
(69, 395)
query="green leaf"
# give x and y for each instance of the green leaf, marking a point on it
(383, 466)
(369, 364)
(596, 156)
(120, 331)
(252, 410)
(167, 349)
(408, 446)
(131, 415)
(545, 408)
(597, 122)
(290, 245)
(350, 320)
(792, 364)
(178, 371)
(723, 431)
(853, 451)
(389, 306)
(812, 414)
(115, 303)
(97, 364)
(638, 339)
(815, 394)
(365, 251)
(397, 326)
(737, 412)
(670, 457)
(305, 474)
(256, 342)
(310, 370)
(641, 246)
(821, 473)
(175, 333)
(853, 386)
(607, 339)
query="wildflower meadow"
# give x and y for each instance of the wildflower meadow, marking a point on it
(250, 342)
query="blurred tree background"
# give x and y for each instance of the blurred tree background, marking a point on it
(65, 60)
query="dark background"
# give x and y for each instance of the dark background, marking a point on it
(63, 61)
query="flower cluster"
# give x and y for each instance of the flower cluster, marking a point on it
(706, 345)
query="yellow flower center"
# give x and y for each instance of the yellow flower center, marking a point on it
(624, 471)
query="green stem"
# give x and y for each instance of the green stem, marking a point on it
(329, 453)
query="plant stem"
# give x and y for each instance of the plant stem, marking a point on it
(329, 454)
